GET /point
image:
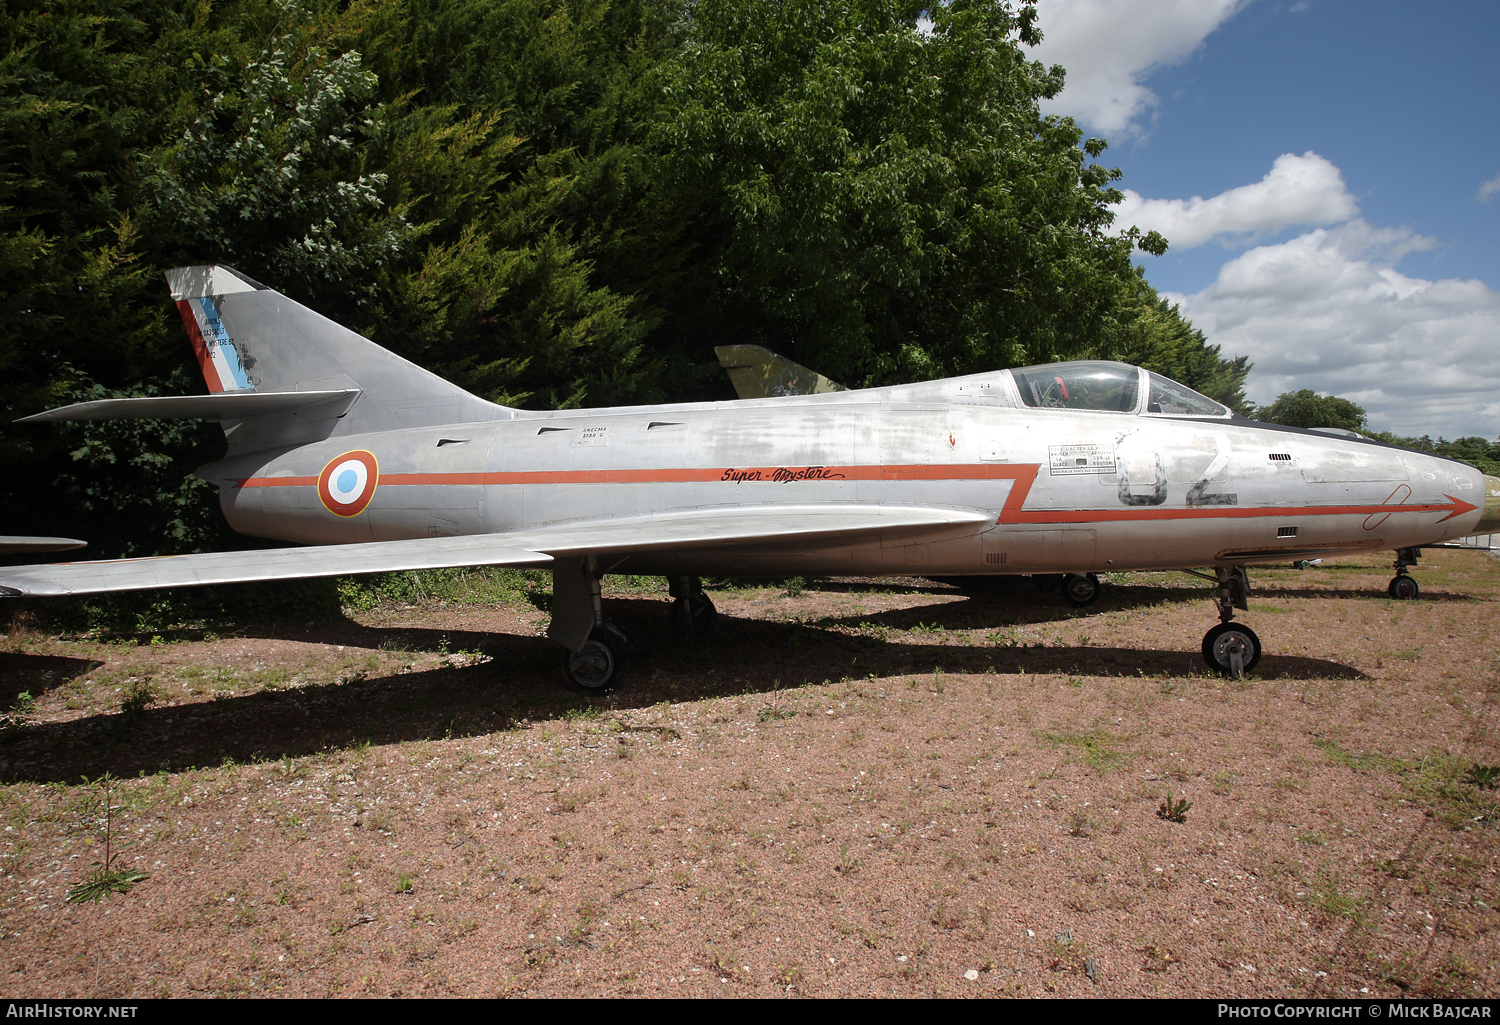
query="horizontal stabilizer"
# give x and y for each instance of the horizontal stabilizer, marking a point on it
(220, 406)
(37, 545)
(65, 578)
(715, 527)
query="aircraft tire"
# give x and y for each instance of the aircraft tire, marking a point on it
(1403, 588)
(1218, 645)
(1080, 589)
(693, 615)
(599, 666)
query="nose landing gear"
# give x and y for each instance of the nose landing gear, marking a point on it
(1231, 649)
(1403, 587)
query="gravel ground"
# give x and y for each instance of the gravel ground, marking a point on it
(893, 788)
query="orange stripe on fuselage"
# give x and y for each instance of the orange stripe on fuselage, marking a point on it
(1024, 476)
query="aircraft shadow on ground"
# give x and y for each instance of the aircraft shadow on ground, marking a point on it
(37, 674)
(521, 684)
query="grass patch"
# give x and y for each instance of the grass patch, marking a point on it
(482, 585)
(1097, 749)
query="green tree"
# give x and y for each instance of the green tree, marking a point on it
(1306, 408)
(1161, 339)
(882, 202)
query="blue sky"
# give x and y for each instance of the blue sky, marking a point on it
(1320, 169)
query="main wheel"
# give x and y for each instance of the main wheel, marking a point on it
(1047, 583)
(1223, 642)
(1403, 588)
(693, 615)
(1080, 589)
(598, 666)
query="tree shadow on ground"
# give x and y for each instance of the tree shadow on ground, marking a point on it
(521, 684)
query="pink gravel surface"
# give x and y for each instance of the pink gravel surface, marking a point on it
(896, 788)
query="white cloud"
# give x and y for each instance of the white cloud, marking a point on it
(1297, 191)
(1109, 46)
(1488, 189)
(1329, 311)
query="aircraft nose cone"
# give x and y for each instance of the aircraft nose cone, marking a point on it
(1489, 520)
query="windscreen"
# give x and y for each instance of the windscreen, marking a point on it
(1101, 387)
(1169, 397)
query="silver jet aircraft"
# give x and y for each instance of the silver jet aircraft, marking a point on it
(1072, 468)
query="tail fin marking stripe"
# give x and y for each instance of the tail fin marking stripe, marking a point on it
(218, 358)
(200, 348)
(221, 347)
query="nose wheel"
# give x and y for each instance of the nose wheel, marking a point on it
(1402, 586)
(1231, 649)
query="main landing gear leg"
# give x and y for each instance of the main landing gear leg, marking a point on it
(693, 613)
(1402, 586)
(595, 654)
(1231, 649)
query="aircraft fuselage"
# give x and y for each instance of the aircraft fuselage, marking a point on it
(1070, 491)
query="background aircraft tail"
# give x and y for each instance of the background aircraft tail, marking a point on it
(757, 373)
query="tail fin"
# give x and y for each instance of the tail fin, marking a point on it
(252, 339)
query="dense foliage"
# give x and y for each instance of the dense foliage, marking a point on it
(1159, 338)
(550, 202)
(1306, 408)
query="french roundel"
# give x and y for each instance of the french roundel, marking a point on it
(347, 483)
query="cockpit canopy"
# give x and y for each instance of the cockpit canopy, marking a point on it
(1106, 387)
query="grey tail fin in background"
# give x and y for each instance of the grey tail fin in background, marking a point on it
(758, 373)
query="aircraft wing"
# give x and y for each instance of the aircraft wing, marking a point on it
(37, 545)
(716, 526)
(64, 578)
(754, 525)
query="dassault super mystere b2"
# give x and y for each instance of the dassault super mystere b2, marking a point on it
(1072, 468)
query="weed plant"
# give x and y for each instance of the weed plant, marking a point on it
(1174, 810)
(105, 880)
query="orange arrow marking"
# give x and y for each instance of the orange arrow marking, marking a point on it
(1459, 507)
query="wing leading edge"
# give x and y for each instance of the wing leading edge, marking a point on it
(685, 530)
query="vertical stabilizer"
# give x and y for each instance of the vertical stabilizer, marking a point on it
(250, 338)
